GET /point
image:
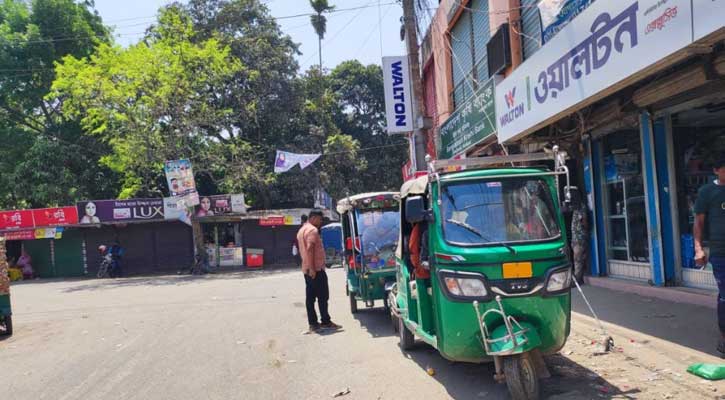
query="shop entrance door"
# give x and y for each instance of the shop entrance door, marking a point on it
(699, 138)
(624, 207)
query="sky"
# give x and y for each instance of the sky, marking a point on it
(354, 34)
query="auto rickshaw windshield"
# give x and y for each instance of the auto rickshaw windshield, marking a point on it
(378, 230)
(498, 211)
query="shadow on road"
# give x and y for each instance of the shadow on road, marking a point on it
(173, 280)
(569, 380)
(376, 321)
(687, 325)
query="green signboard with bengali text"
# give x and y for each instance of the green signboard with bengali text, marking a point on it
(471, 123)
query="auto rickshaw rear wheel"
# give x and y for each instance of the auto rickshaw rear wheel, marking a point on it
(521, 377)
(8, 324)
(353, 302)
(407, 339)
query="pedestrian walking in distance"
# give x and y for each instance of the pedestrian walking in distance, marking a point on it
(710, 216)
(313, 268)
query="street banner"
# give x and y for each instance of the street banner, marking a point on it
(55, 216)
(608, 43)
(398, 94)
(555, 14)
(285, 161)
(17, 219)
(47, 233)
(175, 208)
(179, 177)
(220, 205)
(26, 234)
(473, 122)
(322, 200)
(131, 210)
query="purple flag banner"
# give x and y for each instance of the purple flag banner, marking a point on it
(284, 161)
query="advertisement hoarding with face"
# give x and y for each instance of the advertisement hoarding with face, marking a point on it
(131, 210)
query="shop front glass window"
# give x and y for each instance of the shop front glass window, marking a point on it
(628, 237)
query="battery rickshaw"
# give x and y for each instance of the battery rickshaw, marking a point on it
(489, 279)
(370, 229)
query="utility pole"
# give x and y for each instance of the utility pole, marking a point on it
(410, 23)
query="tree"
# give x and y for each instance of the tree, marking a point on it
(360, 112)
(50, 161)
(156, 100)
(319, 22)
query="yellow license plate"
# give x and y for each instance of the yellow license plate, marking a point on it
(517, 270)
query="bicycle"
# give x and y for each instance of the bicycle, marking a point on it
(104, 267)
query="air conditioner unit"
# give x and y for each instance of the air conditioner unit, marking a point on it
(499, 51)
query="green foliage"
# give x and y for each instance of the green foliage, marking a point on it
(151, 102)
(360, 112)
(213, 80)
(319, 21)
(50, 161)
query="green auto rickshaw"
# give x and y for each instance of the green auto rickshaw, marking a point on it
(370, 229)
(491, 281)
(6, 321)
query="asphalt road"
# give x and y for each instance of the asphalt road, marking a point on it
(230, 336)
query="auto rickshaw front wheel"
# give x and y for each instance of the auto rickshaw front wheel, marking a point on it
(8, 324)
(407, 339)
(522, 378)
(353, 302)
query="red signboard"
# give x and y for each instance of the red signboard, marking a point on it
(271, 221)
(55, 216)
(16, 219)
(19, 235)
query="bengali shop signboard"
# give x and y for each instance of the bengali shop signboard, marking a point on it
(471, 123)
(17, 219)
(607, 43)
(131, 210)
(55, 216)
(272, 221)
(26, 234)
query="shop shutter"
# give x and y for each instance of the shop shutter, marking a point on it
(174, 246)
(531, 27)
(462, 61)
(69, 254)
(481, 36)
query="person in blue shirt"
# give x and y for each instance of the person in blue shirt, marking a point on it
(116, 252)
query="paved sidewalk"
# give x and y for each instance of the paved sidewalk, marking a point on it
(688, 325)
(655, 341)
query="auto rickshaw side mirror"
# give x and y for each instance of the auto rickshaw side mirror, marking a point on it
(415, 209)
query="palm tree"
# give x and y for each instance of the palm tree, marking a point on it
(319, 22)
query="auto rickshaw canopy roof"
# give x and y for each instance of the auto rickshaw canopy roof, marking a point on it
(350, 202)
(414, 187)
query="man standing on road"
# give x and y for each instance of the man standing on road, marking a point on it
(313, 267)
(710, 213)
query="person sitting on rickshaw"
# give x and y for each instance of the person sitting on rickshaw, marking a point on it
(418, 247)
(25, 264)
